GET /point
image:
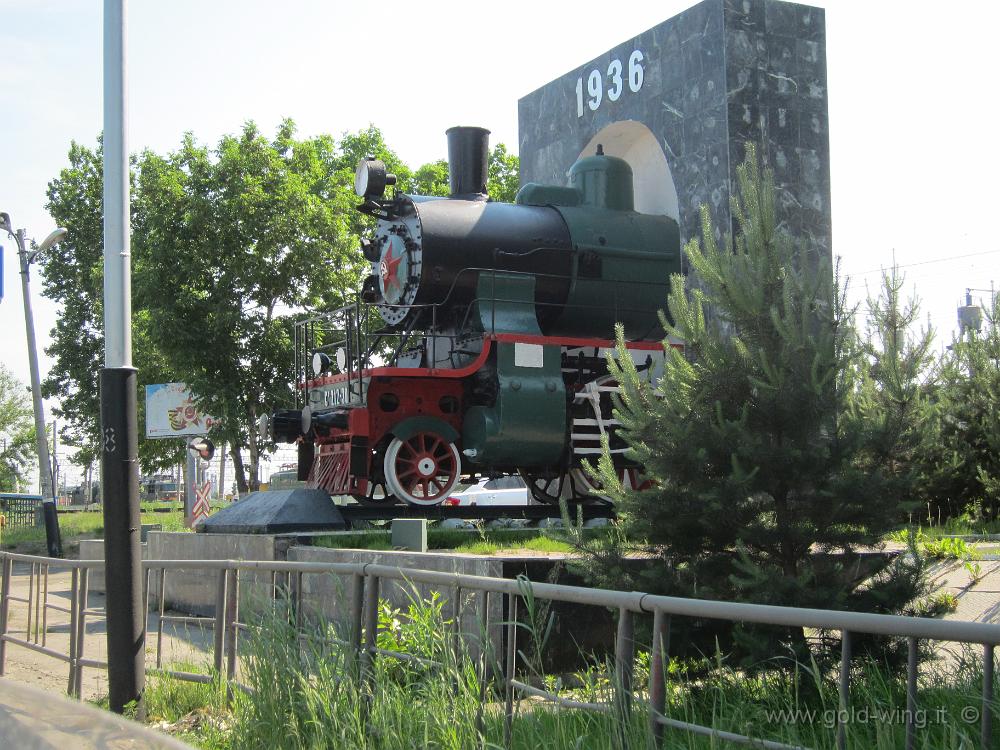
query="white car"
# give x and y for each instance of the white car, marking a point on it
(509, 490)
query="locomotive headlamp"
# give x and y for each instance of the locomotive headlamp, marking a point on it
(371, 179)
(321, 363)
(322, 421)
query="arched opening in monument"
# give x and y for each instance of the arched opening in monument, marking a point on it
(632, 141)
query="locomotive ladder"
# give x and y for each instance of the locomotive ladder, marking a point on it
(585, 432)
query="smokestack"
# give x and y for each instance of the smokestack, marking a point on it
(468, 159)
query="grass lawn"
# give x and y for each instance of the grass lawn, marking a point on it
(483, 542)
(73, 527)
(961, 526)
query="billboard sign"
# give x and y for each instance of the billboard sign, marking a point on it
(171, 412)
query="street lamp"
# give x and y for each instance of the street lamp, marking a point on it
(27, 257)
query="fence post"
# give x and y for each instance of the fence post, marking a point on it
(987, 718)
(219, 626)
(159, 622)
(81, 629)
(145, 600)
(4, 610)
(232, 618)
(31, 588)
(74, 614)
(657, 674)
(624, 671)
(456, 625)
(297, 602)
(845, 688)
(484, 647)
(357, 625)
(38, 600)
(45, 605)
(911, 692)
(511, 667)
(371, 628)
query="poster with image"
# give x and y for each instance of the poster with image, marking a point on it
(171, 412)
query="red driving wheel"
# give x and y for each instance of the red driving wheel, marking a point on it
(423, 469)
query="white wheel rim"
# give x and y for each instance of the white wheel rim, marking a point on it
(431, 466)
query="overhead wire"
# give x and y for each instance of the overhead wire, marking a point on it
(925, 262)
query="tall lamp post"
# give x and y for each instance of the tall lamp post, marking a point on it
(119, 437)
(27, 257)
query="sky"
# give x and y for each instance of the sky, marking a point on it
(912, 102)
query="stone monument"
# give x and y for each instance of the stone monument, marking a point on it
(680, 101)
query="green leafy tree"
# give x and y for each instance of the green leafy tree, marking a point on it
(74, 278)
(238, 238)
(17, 433)
(769, 477)
(431, 179)
(503, 179)
(961, 456)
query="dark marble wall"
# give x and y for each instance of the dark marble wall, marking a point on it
(718, 74)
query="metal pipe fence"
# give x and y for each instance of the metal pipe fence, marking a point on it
(20, 511)
(361, 604)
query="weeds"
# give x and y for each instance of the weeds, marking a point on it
(975, 571)
(947, 548)
(936, 605)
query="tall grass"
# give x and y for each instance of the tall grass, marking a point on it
(313, 693)
(964, 525)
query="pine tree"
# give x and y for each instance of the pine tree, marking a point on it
(961, 455)
(767, 453)
(894, 381)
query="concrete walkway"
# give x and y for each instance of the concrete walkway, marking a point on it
(32, 719)
(978, 601)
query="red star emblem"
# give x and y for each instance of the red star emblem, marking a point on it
(389, 269)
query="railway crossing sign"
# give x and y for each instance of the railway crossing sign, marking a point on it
(198, 449)
(201, 508)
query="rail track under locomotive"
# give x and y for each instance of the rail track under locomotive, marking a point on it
(477, 345)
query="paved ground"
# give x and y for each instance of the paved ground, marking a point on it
(978, 601)
(31, 719)
(188, 644)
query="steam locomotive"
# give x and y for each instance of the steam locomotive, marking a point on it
(477, 344)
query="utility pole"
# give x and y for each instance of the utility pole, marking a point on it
(190, 484)
(222, 474)
(26, 257)
(55, 459)
(120, 442)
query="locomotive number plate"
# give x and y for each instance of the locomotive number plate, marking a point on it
(528, 355)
